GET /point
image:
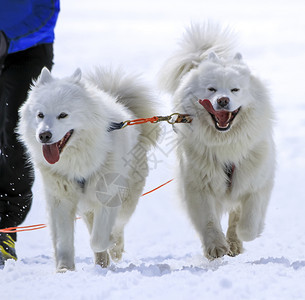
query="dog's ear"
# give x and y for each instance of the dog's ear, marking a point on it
(44, 77)
(77, 75)
(238, 56)
(213, 56)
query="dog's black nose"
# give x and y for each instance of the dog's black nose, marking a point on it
(45, 136)
(223, 101)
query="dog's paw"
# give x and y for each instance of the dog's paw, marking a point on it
(214, 243)
(217, 247)
(116, 252)
(102, 259)
(216, 251)
(64, 269)
(236, 246)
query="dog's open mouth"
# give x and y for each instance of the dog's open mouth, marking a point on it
(222, 118)
(51, 152)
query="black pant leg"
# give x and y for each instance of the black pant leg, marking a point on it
(16, 172)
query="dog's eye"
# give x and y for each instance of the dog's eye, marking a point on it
(211, 89)
(235, 90)
(40, 115)
(62, 115)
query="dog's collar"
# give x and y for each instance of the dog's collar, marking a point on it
(81, 183)
(115, 126)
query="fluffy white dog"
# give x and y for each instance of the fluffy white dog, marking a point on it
(69, 128)
(227, 153)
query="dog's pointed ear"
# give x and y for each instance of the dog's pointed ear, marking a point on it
(77, 75)
(238, 56)
(213, 56)
(44, 77)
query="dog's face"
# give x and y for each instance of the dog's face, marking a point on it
(55, 118)
(54, 130)
(220, 89)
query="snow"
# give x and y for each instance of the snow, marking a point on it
(163, 258)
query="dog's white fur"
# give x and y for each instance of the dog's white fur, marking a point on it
(72, 184)
(206, 67)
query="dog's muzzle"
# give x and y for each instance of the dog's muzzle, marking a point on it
(222, 118)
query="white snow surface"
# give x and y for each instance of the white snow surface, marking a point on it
(163, 258)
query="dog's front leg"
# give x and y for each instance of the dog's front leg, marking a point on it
(253, 212)
(62, 218)
(103, 222)
(206, 219)
(236, 245)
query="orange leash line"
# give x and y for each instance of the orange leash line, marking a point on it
(13, 230)
(40, 226)
(180, 118)
(142, 121)
(23, 228)
(157, 187)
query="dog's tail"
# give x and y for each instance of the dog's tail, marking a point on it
(131, 92)
(197, 43)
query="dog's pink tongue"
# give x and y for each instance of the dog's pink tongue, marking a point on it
(51, 153)
(222, 116)
(207, 105)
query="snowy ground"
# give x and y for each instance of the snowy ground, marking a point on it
(163, 258)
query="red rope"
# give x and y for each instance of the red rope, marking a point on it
(157, 188)
(142, 121)
(23, 228)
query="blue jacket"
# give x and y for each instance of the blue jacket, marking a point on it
(28, 23)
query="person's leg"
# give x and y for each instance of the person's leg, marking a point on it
(16, 172)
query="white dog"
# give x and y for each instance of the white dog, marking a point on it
(69, 127)
(227, 153)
